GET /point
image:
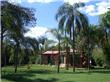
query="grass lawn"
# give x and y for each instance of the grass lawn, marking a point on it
(39, 73)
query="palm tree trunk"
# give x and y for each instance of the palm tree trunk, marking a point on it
(70, 33)
(2, 46)
(58, 69)
(5, 58)
(88, 50)
(67, 57)
(73, 61)
(41, 57)
(66, 47)
(16, 56)
(73, 46)
(88, 62)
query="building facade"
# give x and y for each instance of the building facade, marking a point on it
(51, 57)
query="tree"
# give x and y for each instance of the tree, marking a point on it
(70, 18)
(57, 35)
(42, 41)
(105, 38)
(104, 43)
(13, 21)
(87, 40)
(31, 47)
(105, 19)
(66, 46)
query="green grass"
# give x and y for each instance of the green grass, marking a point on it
(39, 73)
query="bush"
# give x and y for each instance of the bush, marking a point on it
(98, 56)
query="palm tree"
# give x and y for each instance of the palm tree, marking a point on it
(105, 19)
(42, 40)
(65, 46)
(105, 23)
(105, 40)
(14, 18)
(57, 34)
(31, 47)
(42, 46)
(87, 41)
(70, 18)
(13, 21)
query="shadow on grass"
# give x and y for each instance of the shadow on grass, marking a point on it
(13, 76)
(75, 72)
(100, 71)
(88, 72)
(41, 71)
(26, 78)
(26, 75)
(69, 81)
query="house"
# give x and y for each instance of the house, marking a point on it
(51, 57)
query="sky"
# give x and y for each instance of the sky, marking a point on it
(47, 9)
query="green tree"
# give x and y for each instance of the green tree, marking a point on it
(105, 39)
(31, 47)
(57, 34)
(42, 48)
(87, 40)
(14, 19)
(70, 18)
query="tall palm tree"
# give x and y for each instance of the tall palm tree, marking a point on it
(70, 18)
(13, 20)
(57, 34)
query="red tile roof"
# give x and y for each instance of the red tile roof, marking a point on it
(57, 52)
(51, 52)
